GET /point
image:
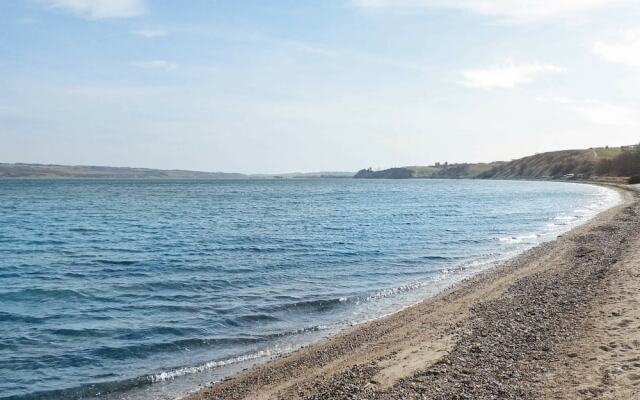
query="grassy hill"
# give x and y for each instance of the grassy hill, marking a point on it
(608, 152)
(83, 171)
(603, 162)
(546, 165)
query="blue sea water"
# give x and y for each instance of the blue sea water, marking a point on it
(147, 289)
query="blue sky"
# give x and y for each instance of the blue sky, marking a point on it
(275, 86)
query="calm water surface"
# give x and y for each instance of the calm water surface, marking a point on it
(145, 289)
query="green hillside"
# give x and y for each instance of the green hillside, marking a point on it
(608, 152)
(597, 162)
(547, 165)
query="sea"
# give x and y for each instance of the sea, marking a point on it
(149, 289)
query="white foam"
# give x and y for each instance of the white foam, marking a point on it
(169, 375)
(519, 239)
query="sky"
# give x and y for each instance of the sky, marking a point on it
(277, 86)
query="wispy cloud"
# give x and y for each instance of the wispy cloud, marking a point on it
(106, 91)
(151, 33)
(507, 9)
(296, 45)
(599, 112)
(507, 76)
(162, 65)
(98, 9)
(309, 48)
(626, 50)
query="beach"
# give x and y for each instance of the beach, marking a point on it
(561, 320)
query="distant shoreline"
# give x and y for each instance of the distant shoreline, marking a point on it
(616, 164)
(55, 171)
(508, 332)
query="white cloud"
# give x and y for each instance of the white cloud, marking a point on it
(506, 76)
(624, 51)
(98, 9)
(156, 64)
(598, 112)
(151, 33)
(508, 9)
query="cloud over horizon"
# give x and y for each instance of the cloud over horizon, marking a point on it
(507, 76)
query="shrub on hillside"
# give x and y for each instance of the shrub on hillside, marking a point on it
(626, 163)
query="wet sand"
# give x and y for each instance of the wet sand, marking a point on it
(560, 321)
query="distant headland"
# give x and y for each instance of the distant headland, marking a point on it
(604, 162)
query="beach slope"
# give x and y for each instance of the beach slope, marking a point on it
(559, 321)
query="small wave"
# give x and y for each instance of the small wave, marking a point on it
(78, 332)
(146, 349)
(258, 317)
(45, 242)
(83, 230)
(519, 239)
(11, 317)
(566, 218)
(90, 390)
(38, 294)
(384, 293)
(169, 375)
(436, 258)
(317, 305)
(138, 334)
(116, 262)
(250, 319)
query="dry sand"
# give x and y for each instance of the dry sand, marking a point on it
(562, 321)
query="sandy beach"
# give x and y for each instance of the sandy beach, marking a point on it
(560, 321)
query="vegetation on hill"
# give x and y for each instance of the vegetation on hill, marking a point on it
(603, 162)
(627, 163)
(465, 170)
(608, 152)
(391, 173)
(546, 165)
(78, 171)
(457, 171)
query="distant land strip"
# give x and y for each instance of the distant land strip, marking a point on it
(53, 171)
(608, 163)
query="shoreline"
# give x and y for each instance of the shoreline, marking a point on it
(391, 357)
